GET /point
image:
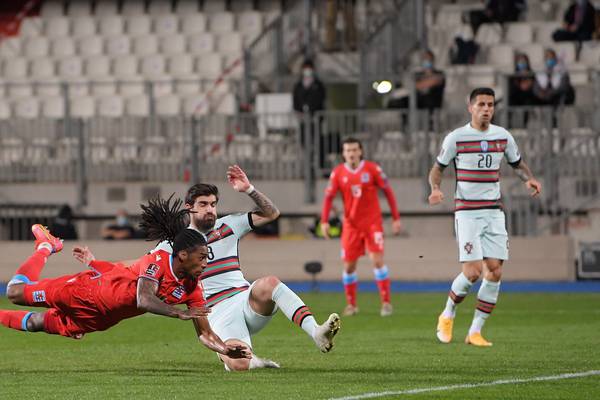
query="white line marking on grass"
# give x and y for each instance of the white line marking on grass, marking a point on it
(469, 385)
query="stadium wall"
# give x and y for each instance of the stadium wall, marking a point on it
(550, 258)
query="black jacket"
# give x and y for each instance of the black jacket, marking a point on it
(313, 96)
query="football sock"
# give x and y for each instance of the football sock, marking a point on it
(294, 308)
(31, 269)
(459, 289)
(383, 283)
(486, 301)
(350, 287)
(15, 319)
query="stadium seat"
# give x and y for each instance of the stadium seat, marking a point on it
(230, 43)
(138, 106)
(272, 110)
(172, 44)
(209, 65)
(519, 33)
(77, 87)
(52, 8)
(161, 85)
(56, 27)
(227, 105)
(186, 7)
(62, 47)
(578, 74)
(213, 6)
(82, 107)
(131, 86)
(90, 45)
(111, 25)
(97, 66)
(36, 47)
(79, 8)
(195, 104)
(193, 23)
(166, 25)
(159, 7)
(125, 66)
(30, 27)
(565, 51)
(590, 54)
(544, 31)
(41, 68)
(185, 86)
(83, 26)
(110, 106)
(27, 107)
(5, 112)
(15, 68)
(489, 34)
(103, 86)
(19, 89)
(168, 105)
(481, 75)
(70, 67)
(53, 107)
(132, 8)
(145, 45)
(201, 43)
(250, 22)
(139, 25)
(535, 52)
(222, 22)
(152, 65)
(48, 87)
(118, 45)
(501, 56)
(181, 65)
(11, 47)
(105, 8)
(233, 65)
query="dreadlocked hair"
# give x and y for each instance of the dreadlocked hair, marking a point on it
(163, 220)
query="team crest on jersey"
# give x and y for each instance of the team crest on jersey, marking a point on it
(39, 296)
(484, 145)
(152, 270)
(364, 178)
(468, 247)
(178, 292)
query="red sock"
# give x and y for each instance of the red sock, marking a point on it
(350, 290)
(32, 267)
(13, 318)
(384, 289)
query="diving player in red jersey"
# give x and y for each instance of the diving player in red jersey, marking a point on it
(100, 298)
(359, 181)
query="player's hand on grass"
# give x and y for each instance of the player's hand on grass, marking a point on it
(396, 227)
(237, 178)
(436, 197)
(194, 312)
(325, 230)
(534, 186)
(83, 255)
(238, 351)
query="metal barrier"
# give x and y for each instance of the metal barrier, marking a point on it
(16, 219)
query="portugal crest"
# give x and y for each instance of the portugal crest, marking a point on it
(468, 247)
(484, 145)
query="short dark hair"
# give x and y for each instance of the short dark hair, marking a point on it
(352, 140)
(486, 91)
(201, 189)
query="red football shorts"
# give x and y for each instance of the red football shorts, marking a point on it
(354, 241)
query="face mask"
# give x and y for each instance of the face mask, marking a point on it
(121, 220)
(307, 73)
(521, 66)
(551, 62)
(427, 64)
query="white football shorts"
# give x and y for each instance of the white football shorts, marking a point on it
(481, 234)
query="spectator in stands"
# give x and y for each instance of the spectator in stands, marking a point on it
(309, 97)
(521, 83)
(500, 11)
(430, 83)
(121, 229)
(553, 86)
(579, 22)
(63, 225)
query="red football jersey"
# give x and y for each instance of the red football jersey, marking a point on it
(359, 192)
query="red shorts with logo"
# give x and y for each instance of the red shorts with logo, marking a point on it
(354, 241)
(72, 309)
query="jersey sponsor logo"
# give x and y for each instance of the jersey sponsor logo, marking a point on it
(178, 292)
(365, 177)
(39, 296)
(158, 257)
(484, 145)
(468, 247)
(152, 270)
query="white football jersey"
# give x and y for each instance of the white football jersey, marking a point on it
(222, 278)
(477, 158)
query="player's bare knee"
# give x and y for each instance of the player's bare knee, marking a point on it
(472, 272)
(35, 323)
(269, 283)
(494, 275)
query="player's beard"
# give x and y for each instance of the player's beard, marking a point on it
(207, 222)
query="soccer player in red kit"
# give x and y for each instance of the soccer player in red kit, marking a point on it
(100, 298)
(359, 181)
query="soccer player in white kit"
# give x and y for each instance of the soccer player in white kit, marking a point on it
(477, 150)
(241, 309)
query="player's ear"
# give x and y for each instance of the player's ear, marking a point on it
(182, 255)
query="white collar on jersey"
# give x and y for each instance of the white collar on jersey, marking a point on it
(477, 130)
(360, 165)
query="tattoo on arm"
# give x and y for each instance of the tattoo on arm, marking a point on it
(147, 300)
(523, 172)
(435, 176)
(265, 207)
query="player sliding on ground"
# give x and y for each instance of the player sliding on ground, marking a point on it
(477, 150)
(100, 298)
(240, 309)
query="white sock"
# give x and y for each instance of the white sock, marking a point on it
(459, 289)
(486, 301)
(257, 362)
(294, 308)
(45, 245)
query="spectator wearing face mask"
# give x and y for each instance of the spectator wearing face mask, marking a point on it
(121, 229)
(579, 22)
(553, 85)
(430, 83)
(521, 83)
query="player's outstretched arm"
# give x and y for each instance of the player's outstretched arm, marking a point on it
(148, 302)
(85, 256)
(266, 211)
(213, 342)
(524, 173)
(435, 182)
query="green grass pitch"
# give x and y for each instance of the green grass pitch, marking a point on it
(152, 357)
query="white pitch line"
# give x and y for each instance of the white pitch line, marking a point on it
(469, 385)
